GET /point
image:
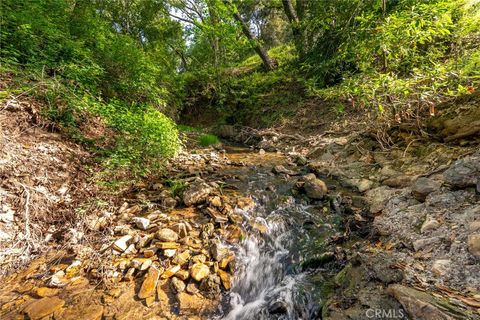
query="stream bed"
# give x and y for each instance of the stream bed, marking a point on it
(284, 265)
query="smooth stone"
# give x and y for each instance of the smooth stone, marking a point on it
(429, 224)
(167, 235)
(441, 266)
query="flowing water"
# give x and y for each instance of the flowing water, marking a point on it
(271, 280)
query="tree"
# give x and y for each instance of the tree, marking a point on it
(295, 18)
(268, 62)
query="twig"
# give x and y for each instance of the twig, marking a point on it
(27, 213)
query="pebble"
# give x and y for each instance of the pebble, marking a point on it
(474, 244)
(178, 284)
(199, 271)
(122, 243)
(141, 223)
(167, 235)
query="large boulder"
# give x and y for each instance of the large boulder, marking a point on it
(464, 172)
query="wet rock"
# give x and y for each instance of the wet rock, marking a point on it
(178, 285)
(199, 271)
(149, 283)
(423, 187)
(43, 307)
(166, 235)
(122, 243)
(197, 193)
(278, 307)
(279, 169)
(474, 244)
(314, 187)
(141, 223)
(429, 225)
(225, 278)
(419, 305)
(216, 215)
(464, 172)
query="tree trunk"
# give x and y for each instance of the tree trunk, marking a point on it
(269, 63)
(295, 20)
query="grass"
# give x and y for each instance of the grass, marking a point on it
(208, 139)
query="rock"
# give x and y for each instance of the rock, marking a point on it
(149, 283)
(167, 235)
(225, 278)
(170, 272)
(218, 251)
(361, 185)
(279, 169)
(300, 160)
(197, 194)
(122, 243)
(474, 226)
(216, 215)
(141, 223)
(441, 266)
(85, 312)
(169, 252)
(178, 284)
(150, 301)
(211, 285)
(419, 305)
(464, 172)
(261, 152)
(429, 224)
(199, 271)
(278, 307)
(148, 253)
(180, 229)
(58, 279)
(182, 275)
(182, 258)
(130, 250)
(192, 288)
(199, 258)
(43, 307)
(421, 244)
(423, 187)
(314, 187)
(474, 244)
(215, 201)
(43, 292)
(399, 181)
(378, 197)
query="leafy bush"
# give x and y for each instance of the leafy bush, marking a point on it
(145, 135)
(208, 139)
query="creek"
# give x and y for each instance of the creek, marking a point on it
(284, 265)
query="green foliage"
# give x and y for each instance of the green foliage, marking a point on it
(208, 140)
(176, 187)
(144, 136)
